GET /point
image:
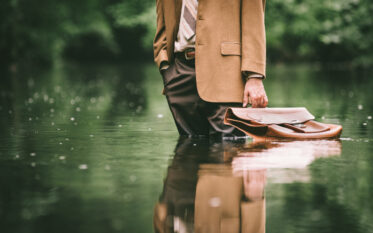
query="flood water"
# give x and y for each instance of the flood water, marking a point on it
(93, 148)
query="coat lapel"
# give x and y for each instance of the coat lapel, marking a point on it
(178, 4)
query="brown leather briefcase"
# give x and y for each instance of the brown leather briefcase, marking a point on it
(287, 123)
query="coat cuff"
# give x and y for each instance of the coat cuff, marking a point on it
(253, 67)
(248, 75)
(162, 57)
(164, 65)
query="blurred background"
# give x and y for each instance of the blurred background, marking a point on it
(86, 138)
(118, 30)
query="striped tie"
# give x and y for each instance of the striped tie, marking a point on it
(188, 21)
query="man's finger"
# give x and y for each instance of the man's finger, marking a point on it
(265, 101)
(245, 99)
(262, 102)
(254, 102)
(259, 102)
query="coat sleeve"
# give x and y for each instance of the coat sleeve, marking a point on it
(160, 41)
(253, 36)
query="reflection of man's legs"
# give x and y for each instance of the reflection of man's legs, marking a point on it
(201, 194)
(175, 210)
(192, 115)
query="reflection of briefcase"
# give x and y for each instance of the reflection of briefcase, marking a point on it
(292, 123)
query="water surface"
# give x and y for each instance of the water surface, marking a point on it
(93, 148)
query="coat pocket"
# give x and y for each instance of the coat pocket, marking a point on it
(231, 48)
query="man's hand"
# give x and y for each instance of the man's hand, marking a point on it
(255, 94)
(254, 182)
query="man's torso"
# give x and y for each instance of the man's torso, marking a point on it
(219, 43)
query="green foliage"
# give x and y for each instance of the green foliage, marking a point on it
(38, 30)
(326, 31)
(141, 14)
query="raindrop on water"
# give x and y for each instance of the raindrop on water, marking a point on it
(83, 166)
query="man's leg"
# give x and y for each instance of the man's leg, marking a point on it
(183, 99)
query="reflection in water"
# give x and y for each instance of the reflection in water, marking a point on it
(84, 147)
(288, 160)
(219, 186)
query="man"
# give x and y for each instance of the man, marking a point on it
(211, 54)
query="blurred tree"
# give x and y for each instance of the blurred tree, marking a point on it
(326, 31)
(297, 30)
(37, 31)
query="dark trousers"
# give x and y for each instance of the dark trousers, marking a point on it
(193, 116)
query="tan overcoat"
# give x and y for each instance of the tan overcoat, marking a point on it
(230, 38)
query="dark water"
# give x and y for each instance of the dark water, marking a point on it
(93, 148)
